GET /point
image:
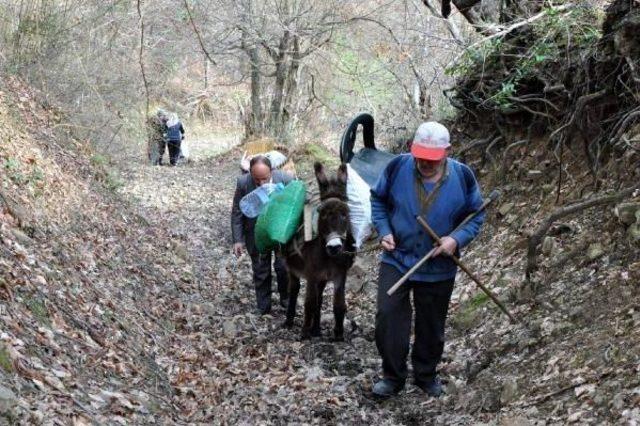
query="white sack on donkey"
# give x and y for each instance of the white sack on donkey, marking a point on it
(358, 193)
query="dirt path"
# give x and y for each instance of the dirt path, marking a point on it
(227, 365)
(191, 203)
(238, 367)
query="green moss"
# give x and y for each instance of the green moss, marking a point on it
(469, 313)
(37, 175)
(39, 310)
(99, 160)
(112, 181)
(5, 360)
(12, 169)
(478, 300)
(319, 153)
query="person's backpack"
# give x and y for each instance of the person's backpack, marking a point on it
(173, 132)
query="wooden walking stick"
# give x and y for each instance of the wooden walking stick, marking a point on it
(491, 198)
(462, 266)
(410, 272)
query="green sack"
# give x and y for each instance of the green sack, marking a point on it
(281, 217)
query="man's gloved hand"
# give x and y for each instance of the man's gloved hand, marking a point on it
(388, 243)
(238, 249)
(447, 247)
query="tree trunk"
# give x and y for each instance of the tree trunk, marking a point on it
(255, 119)
(281, 59)
(424, 102)
(291, 88)
(206, 73)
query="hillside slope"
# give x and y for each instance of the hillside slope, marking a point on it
(84, 281)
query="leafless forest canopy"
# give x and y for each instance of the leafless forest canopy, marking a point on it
(299, 69)
(290, 69)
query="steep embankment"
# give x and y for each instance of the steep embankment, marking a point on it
(85, 283)
(554, 107)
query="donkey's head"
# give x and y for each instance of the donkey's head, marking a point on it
(333, 213)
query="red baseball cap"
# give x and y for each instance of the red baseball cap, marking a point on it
(430, 141)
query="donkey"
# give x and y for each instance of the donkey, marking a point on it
(327, 257)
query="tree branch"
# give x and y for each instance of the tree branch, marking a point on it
(451, 26)
(195, 29)
(140, 55)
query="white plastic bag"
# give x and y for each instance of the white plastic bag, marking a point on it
(184, 151)
(276, 158)
(358, 193)
(244, 162)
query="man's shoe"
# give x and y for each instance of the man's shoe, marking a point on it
(262, 312)
(386, 388)
(431, 387)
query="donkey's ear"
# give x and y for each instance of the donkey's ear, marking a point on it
(319, 168)
(343, 174)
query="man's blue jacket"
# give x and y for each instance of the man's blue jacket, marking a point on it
(395, 206)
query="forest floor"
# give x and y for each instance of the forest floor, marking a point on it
(540, 371)
(123, 304)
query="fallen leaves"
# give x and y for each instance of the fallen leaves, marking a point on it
(114, 319)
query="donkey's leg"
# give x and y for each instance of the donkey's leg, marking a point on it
(315, 324)
(339, 307)
(294, 289)
(310, 304)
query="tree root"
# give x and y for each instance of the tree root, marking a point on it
(536, 239)
(14, 209)
(505, 155)
(476, 144)
(623, 124)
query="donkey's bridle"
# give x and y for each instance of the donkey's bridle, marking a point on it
(342, 236)
(299, 242)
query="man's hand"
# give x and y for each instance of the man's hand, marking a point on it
(447, 247)
(388, 243)
(237, 249)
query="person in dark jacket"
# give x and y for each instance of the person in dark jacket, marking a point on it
(156, 128)
(242, 230)
(175, 135)
(444, 192)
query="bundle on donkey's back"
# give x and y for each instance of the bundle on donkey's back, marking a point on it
(327, 257)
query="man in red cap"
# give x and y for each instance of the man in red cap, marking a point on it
(443, 191)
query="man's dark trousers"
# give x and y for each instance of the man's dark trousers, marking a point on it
(393, 325)
(174, 152)
(261, 265)
(162, 145)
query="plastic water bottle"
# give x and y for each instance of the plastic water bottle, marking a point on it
(254, 202)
